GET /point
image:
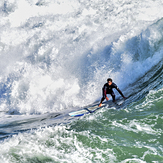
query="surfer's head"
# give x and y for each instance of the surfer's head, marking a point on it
(109, 80)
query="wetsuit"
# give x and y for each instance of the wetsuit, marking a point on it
(108, 89)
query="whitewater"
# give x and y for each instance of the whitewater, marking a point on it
(55, 56)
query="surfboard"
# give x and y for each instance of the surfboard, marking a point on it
(86, 110)
(119, 102)
(93, 108)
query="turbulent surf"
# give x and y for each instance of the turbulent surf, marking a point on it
(55, 56)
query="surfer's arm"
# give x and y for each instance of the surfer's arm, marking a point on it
(120, 92)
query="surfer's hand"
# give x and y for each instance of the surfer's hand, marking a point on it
(100, 105)
(107, 98)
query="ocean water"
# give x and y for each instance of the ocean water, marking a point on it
(55, 56)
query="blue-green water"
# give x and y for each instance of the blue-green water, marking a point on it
(55, 57)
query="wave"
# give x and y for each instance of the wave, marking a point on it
(56, 64)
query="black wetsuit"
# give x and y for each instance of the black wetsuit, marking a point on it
(108, 89)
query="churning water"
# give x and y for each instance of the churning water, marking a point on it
(55, 56)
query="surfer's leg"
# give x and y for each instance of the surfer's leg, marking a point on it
(113, 96)
(103, 96)
(102, 99)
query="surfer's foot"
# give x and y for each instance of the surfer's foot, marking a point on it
(114, 101)
(100, 104)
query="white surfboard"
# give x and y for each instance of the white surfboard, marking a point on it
(94, 107)
(86, 110)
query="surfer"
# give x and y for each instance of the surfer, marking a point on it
(108, 89)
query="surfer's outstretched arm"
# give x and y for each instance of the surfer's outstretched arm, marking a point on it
(120, 92)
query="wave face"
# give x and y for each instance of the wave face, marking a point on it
(56, 55)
